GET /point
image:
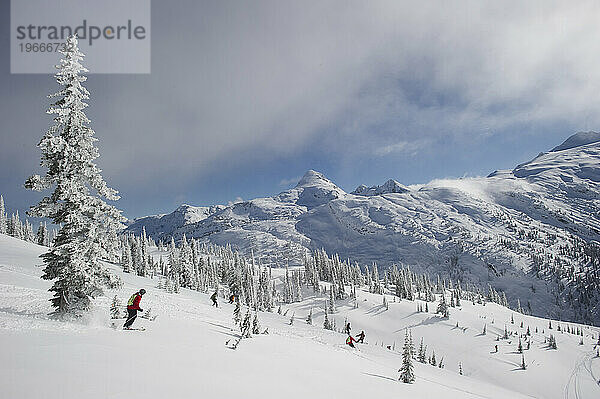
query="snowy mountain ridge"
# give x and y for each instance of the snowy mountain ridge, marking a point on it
(389, 187)
(525, 231)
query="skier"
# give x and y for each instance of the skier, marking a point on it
(133, 306)
(231, 298)
(496, 347)
(348, 328)
(350, 341)
(361, 338)
(214, 299)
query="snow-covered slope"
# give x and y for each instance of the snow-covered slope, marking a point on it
(523, 231)
(159, 225)
(183, 354)
(578, 139)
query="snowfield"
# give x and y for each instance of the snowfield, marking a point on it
(183, 353)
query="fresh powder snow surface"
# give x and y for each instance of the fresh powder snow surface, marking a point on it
(183, 353)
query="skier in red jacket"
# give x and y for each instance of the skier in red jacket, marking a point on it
(133, 305)
(350, 341)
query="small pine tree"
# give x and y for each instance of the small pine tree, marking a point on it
(255, 325)
(246, 325)
(460, 370)
(552, 342)
(421, 357)
(512, 319)
(520, 347)
(309, 318)
(432, 360)
(331, 301)
(237, 313)
(443, 307)
(115, 308)
(326, 324)
(406, 371)
(292, 319)
(484, 329)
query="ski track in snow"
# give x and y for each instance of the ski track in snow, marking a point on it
(572, 388)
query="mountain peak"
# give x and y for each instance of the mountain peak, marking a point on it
(313, 178)
(578, 139)
(389, 187)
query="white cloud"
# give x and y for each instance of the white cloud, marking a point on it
(290, 181)
(403, 147)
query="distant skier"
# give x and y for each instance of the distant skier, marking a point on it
(231, 298)
(350, 341)
(133, 306)
(214, 299)
(361, 338)
(496, 347)
(348, 328)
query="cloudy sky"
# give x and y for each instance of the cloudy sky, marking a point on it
(244, 97)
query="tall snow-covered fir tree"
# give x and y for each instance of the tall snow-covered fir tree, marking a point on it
(3, 227)
(407, 374)
(77, 202)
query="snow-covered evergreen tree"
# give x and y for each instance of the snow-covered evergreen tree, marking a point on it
(520, 346)
(115, 308)
(422, 356)
(77, 204)
(255, 325)
(3, 226)
(331, 300)
(246, 326)
(309, 318)
(326, 323)
(407, 374)
(126, 261)
(443, 307)
(432, 360)
(237, 312)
